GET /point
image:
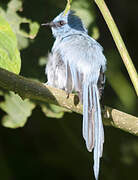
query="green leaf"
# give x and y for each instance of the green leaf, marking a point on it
(85, 10)
(1, 93)
(42, 61)
(11, 15)
(53, 111)
(34, 27)
(17, 110)
(16, 20)
(81, 8)
(9, 54)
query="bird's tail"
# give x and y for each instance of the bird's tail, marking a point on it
(93, 132)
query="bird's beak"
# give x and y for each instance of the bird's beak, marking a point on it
(51, 24)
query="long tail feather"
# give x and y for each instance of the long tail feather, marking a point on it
(93, 132)
(99, 132)
(88, 118)
(92, 122)
(85, 114)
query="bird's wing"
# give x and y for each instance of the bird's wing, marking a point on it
(83, 57)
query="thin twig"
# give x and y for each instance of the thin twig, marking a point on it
(119, 43)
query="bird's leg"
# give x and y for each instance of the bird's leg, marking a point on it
(67, 93)
(79, 93)
(45, 84)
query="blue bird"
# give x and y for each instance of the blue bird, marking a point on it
(76, 63)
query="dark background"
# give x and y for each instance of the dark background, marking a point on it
(48, 148)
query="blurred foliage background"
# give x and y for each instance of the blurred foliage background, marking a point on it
(53, 148)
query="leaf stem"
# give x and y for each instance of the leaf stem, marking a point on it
(119, 43)
(67, 8)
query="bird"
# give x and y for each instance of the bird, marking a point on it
(76, 63)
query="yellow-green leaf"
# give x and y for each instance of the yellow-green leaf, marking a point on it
(53, 111)
(17, 110)
(9, 54)
(15, 20)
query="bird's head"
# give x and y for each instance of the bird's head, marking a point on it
(63, 25)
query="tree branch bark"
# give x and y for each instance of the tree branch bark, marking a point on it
(31, 89)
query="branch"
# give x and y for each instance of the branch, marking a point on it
(27, 88)
(119, 43)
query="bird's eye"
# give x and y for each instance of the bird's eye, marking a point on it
(61, 23)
